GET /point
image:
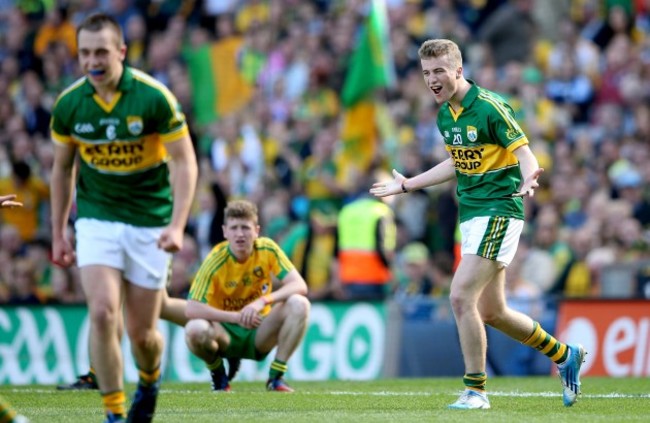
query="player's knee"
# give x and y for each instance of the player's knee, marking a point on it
(298, 307)
(458, 302)
(104, 318)
(145, 339)
(492, 317)
(197, 332)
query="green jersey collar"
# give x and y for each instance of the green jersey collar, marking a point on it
(471, 95)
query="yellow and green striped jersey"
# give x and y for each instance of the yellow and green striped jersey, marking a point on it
(228, 285)
(123, 172)
(481, 138)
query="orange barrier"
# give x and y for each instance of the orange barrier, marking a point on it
(616, 334)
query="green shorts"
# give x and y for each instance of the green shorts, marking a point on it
(242, 343)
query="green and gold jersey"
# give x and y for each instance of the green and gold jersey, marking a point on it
(123, 173)
(228, 285)
(481, 138)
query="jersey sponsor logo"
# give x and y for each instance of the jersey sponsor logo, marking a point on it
(84, 128)
(481, 159)
(467, 158)
(114, 156)
(236, 304)
(472, 133)
(135, 124)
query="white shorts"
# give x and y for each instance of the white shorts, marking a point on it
(131, 249)
(493, 237)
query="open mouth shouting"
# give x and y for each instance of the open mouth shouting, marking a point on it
(96, 73)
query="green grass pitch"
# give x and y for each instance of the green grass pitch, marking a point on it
(530, 399)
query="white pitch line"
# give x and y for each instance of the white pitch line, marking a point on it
(511, 394)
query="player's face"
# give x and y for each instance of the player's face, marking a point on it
(241, 233)
(441, 77)
(101, 56)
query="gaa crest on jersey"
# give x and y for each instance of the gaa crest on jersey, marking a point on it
(472, 133)
(134, 124)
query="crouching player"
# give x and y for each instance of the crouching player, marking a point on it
(234, 312)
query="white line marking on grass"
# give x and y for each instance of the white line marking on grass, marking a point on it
(511, 394)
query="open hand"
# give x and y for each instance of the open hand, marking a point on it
(384, 189)
(529, 185)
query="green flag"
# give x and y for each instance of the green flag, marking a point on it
(218, 83)
(371, 65)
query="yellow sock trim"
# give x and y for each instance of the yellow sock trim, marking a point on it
(149, 377)
(218, 362)
(7, 414)
(543, 342)
(279, 367)
(115, 402)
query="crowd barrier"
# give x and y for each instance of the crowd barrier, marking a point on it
(348, 341)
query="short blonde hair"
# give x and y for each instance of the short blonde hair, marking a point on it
(439, 48)
(241, 209)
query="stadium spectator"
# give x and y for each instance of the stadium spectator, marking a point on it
(33, 193)
(56, 28)
(366, 236)
(311, 245)
(509, 33)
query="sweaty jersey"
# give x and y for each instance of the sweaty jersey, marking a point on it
(481, 138)
(228, 285)
(123, 173)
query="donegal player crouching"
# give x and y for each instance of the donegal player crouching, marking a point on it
(234, 312)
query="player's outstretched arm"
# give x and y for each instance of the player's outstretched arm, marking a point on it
(442, 172)
(7, 201)
(384, 189)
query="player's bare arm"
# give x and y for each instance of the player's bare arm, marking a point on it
(8, 201)
(199, 310)
(183, 181)
(530, 171)
(440, 173)
(61, 189)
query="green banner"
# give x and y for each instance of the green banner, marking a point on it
(47, 345)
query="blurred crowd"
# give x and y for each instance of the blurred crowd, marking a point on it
(577, 74)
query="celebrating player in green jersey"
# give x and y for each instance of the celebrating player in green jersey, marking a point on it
(131, 210)
(231, 296)
(494, 169)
